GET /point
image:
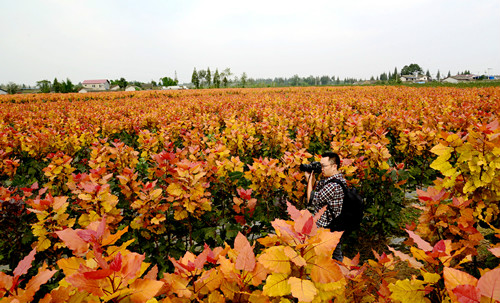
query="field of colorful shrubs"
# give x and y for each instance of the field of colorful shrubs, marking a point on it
(197, 196)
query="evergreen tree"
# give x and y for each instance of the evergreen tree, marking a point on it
(395, 75)
(438, 75)
(56, 86)
(449, 74)
(244, 79)
(208, 76)
(201, 77)
(195, 79)
(67, 87)
(216, 78)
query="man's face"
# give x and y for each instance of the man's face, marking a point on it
(328, 169)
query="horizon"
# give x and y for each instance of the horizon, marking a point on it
(153, 39)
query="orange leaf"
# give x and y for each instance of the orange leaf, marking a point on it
(412, 261)
(144, 289)
(495, 251)
(294, 256)
(70, 237)
(304, 290)
(41, 278)
(246, 256)
(131, 265)
(454, 277)
(421, 243)
(83, 284)
(324, 242)
(326, 270)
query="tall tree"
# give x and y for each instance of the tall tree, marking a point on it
(12, 88)
(411, 69)
(208, 76)
(167, 81)
(383, 77)
(67, 87)
(438, 75)
(195, 79)
(449, 74)
(56, 86)
(324, 80)
(428, 74)
(395, 75)
(244, 79)
(216, 78)
(44, 86)
(201, 76)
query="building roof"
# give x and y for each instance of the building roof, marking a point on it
(463, 77)
(100, 81)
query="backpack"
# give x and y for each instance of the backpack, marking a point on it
(351, 215)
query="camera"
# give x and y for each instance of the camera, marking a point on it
(313, 167)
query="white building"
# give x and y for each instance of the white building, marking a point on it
(414, 78)
(132, 88)
(460, 78)
(96, 85)
(2, 92)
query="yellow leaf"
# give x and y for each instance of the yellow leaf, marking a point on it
(175, 189)
(304, 290)
(440, 149)
(275, 260)
(277, 285)
(408, 291)
(430, 277)
(85, 197)
(155, 194)
(441, 164)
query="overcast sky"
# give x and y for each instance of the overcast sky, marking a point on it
(146, 40)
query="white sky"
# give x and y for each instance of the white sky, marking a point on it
(149, 39)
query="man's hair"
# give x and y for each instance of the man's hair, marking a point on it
(332, 157)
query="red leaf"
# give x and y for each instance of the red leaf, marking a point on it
(489, 284)
(467, 294)
(306, 229)
(116, 264)
(97, 274)
(25, 264)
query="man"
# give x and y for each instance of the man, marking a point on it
(327, 192)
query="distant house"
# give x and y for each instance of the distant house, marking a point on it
(2, 92)
(132, 88)
(96, 85)
(460, 78)
(174, 87)
(415, 79)
(83, 91)
(114, 87)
